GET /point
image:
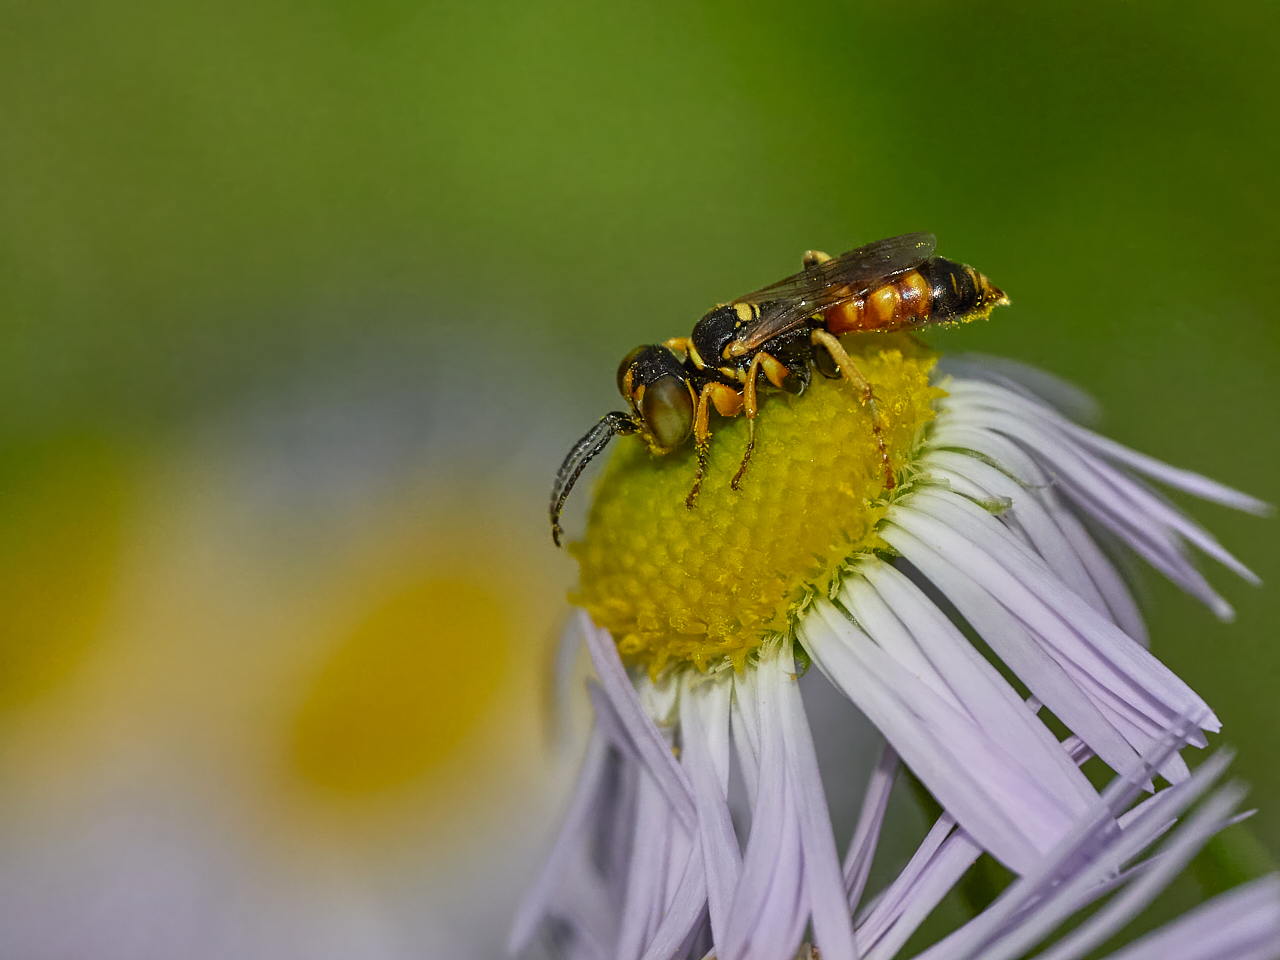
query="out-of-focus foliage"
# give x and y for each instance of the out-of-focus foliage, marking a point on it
(222, 224)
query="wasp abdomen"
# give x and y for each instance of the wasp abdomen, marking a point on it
(938, 291)
(955, 289)
(902, 301)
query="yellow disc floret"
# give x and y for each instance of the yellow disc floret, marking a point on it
(702, 585)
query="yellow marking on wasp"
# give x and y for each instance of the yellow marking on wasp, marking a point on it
(915, 291)
(883, 305)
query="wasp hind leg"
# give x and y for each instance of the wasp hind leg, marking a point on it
(814, 258)
(855, 376)
(728, 403)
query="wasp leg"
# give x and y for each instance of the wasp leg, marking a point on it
(863, 386)
(678, 345)
(823, 362)
(814, 258)
(777, 373)
(728, 403)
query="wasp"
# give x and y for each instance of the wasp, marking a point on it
(780, 334)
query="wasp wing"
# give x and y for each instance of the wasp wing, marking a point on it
(789, 303)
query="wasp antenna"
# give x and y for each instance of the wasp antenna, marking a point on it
(583, 452)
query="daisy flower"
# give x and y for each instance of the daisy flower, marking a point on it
(1002, 526)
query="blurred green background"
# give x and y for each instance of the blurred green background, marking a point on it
(202, 203)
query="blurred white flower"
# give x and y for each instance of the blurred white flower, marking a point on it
(305, 714)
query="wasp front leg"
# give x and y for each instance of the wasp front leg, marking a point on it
(860, 383)
(778, 374)
(728, 403)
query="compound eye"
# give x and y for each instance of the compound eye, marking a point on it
(627, 362)
(667, 410)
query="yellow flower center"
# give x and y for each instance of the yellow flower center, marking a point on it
(702, 585)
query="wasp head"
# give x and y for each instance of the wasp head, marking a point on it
(662, 404)
(662, 398)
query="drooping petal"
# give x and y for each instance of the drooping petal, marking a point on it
(862, 848)
(968, 536)
(1020, 649)
(832, 927)
(889, 903)
(1117, 497)
(597, 809)
(686, 905)
(1083, 868)
(767, 917)
(1175, 855)
(1241, 924)
(972, 776)
(1071, 633)
(647, 881)
(704, 722)
(650, 744)
(985, 695)
(957, 853)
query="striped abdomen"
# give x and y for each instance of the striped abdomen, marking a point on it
(937, 291)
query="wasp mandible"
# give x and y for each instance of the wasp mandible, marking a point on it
(781, 332)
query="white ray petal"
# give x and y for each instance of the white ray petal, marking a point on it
(1241, 924)
(987, 696)
(1018, 648)
(1194, 483)
(704, 714)
(833, 930)
(862, 848)
(1042, 532)
(1109, 484)
(647, 879)
(961, 533)
(650, 744)
(768, 915)
(972, 776)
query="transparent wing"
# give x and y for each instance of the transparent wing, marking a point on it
(788, 303)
